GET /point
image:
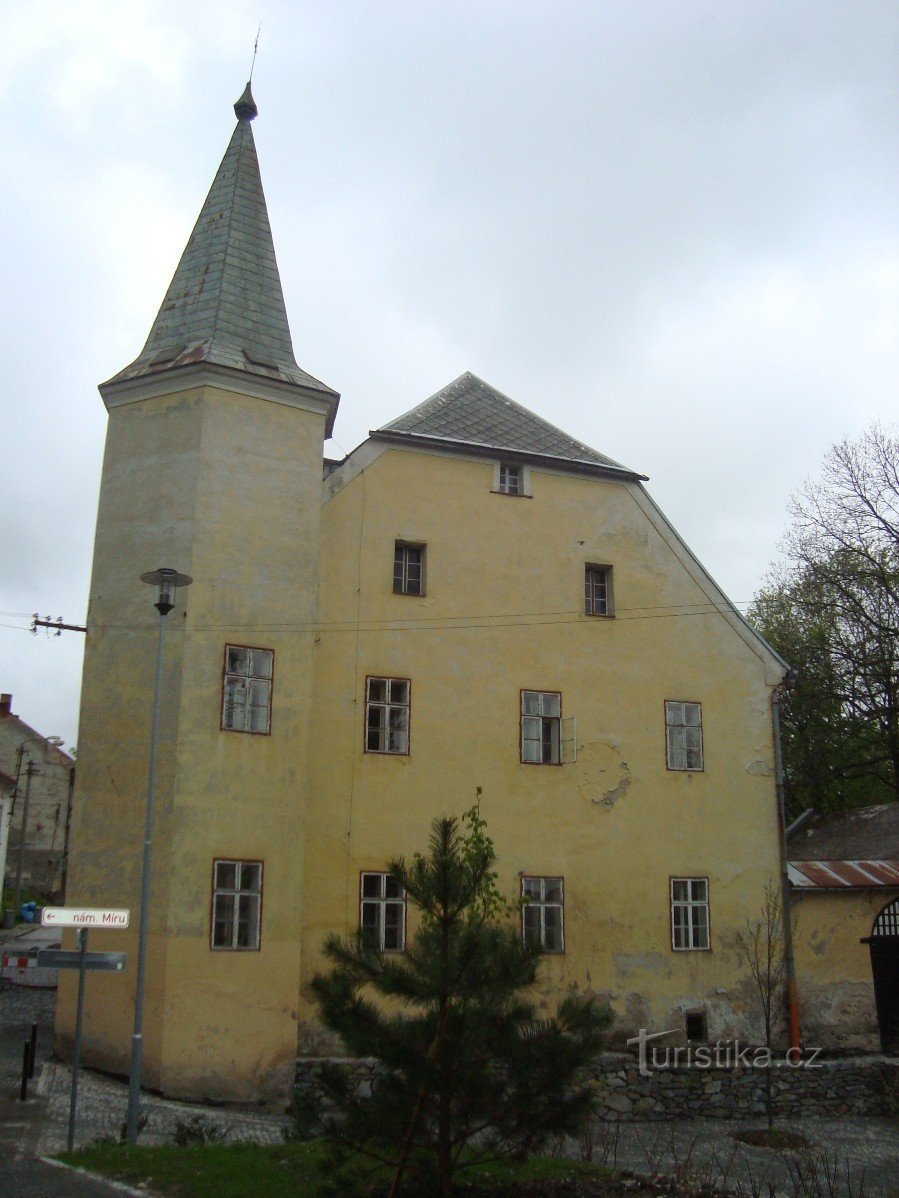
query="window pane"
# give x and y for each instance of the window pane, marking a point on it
(530, 702)
(370, 915)
(552, 704)
(531, 915)
(261, 663)
(377, 690)
(249, 875)
(237, 660)
(399, 690)
(371, 885)
(679, 890)
(531, 887)
(552, 889)
(553, 929)
(692, 714)
(392, 887)
(225, 875)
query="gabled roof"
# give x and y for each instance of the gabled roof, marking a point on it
(224, 305)
(469, 414)
(863, 833)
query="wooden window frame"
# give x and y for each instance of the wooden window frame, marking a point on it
(401, 551)
(688, 905)
(236, 892)
(501, 479)
(542, 904)
(556, 747)
(672, 726)
(606, 604)
(387, 705)
(380, 903)
(226, 674)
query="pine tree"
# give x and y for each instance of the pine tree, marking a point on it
(467, 1073)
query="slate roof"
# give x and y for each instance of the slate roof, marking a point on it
(224, 305)
(470, 414)
(865, 833)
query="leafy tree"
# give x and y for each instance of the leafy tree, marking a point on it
(467, 1072)
(833, 613)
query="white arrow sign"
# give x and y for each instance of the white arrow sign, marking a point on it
(84, 917)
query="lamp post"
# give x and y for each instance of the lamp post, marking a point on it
(167, 582)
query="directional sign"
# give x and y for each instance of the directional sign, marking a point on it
(84, 917)
(63, 958)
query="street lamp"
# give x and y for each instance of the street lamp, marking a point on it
(167, 581)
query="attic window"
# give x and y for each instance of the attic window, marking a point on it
(509, 478)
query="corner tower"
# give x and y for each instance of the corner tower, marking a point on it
(213, 466)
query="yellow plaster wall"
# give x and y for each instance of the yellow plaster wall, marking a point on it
(503, 611)
(833, 968)
(224, 488)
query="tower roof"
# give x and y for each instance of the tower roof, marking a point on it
(224, 305)
(469, 414)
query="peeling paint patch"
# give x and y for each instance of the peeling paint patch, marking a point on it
(628, 964)
(760, 769)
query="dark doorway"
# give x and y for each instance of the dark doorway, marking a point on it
(884, 945)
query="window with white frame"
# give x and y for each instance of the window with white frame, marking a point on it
(387, 715)
(408, 569)
(689, 913)
(236, 904)
(247, 689)
(541, 718)
(382, 910)
(510, 481)
(542, 913)
(683, 735)
(598, 590)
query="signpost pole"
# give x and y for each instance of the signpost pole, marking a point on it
(76, 1050)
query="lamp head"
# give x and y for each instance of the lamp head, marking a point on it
(168, 581)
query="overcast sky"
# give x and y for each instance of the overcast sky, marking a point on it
(668, 227)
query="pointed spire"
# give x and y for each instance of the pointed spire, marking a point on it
(224, 305)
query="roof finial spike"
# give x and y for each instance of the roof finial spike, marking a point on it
(255, 48)
(245, 109)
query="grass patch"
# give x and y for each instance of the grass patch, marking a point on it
(301, 1170)
(777, 1138)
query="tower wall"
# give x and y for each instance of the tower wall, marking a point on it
(225, 487)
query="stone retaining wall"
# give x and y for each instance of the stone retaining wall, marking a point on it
(861, 1086)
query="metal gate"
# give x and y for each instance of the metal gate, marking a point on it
(884, 945)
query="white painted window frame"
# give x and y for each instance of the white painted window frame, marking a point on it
(500, 485)
(683, 736)
(390, 898)
(690, 920)
(245, 900)
(534, 901)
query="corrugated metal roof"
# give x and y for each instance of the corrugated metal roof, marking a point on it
(842, 875)
(470, 413)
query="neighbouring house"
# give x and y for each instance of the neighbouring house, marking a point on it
(844, 880)
(472, 606)
(37, 777)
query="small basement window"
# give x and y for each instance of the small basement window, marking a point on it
(696, 1027)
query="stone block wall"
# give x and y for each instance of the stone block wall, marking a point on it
(861, 1086)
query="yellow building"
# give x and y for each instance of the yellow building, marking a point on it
(844, 875)
(472, 603)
